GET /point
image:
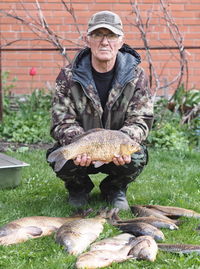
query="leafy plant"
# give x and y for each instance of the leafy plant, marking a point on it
(184, 101)
(7, 90)
(177, 122)
(30, 123)
(169, 136)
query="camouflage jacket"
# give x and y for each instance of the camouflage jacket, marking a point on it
(77, 107)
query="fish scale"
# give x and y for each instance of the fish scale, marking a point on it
(77, 235)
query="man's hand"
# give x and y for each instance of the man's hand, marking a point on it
(122, 160)
(83, 160)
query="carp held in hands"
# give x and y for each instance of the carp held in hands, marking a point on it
(100, 144)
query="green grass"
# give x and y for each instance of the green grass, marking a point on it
(169, 179)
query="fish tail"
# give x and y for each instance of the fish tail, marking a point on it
(59, 164)
(108, 213)
(58, 158)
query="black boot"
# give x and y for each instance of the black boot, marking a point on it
(79, 188)
(113, 189)
(117, 199)
(78, 199)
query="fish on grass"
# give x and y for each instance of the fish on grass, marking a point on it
(23, 229)
(180, 248)
(103, 257)
(157, 222)
(141, 228)
(100, 144)
(142, 211)
(172, 211)
(77, 235)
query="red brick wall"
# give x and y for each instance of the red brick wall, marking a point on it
(186, 15)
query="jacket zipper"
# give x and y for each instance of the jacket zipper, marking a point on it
(91, 100)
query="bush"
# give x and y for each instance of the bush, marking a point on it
(169, 136)
(30, 121)
(177, 122)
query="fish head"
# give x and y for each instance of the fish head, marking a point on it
(129, 148)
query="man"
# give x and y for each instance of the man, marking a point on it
(102, 88)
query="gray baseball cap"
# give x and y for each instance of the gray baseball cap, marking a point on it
(106, 19)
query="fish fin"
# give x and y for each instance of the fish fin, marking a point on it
(58, 158)
(82, 212)
(98, 164)
(54, 155)
(59, 164)
(107, 213)
(113, 218)
(49, 230)
(32, 230)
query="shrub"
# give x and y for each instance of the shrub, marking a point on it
(29, 122)
(177, 122)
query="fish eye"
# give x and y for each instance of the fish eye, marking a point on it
(67, 245)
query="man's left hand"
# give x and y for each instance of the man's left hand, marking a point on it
(122, 160)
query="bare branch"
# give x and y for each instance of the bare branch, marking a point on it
(177, 38)
(40, 28)
(72, 13)
(193, 112)
(143, 31)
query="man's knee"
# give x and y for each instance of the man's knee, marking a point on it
(140, 158)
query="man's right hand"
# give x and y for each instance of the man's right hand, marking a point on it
(83, 160)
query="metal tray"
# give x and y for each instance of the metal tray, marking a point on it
(10, 171)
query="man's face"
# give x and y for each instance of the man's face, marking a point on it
(104, 48)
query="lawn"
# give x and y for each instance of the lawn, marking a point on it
(171, 178)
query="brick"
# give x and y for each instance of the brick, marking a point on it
(190, 21)
(186, 14)
(101, 6)
(193, 7)
(192, 36)
(177, 7)
(194, 28)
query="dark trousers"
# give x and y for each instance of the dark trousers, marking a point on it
(77, 178)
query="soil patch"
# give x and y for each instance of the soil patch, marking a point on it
(6, 146)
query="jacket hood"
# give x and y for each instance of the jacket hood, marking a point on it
(126, 62)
